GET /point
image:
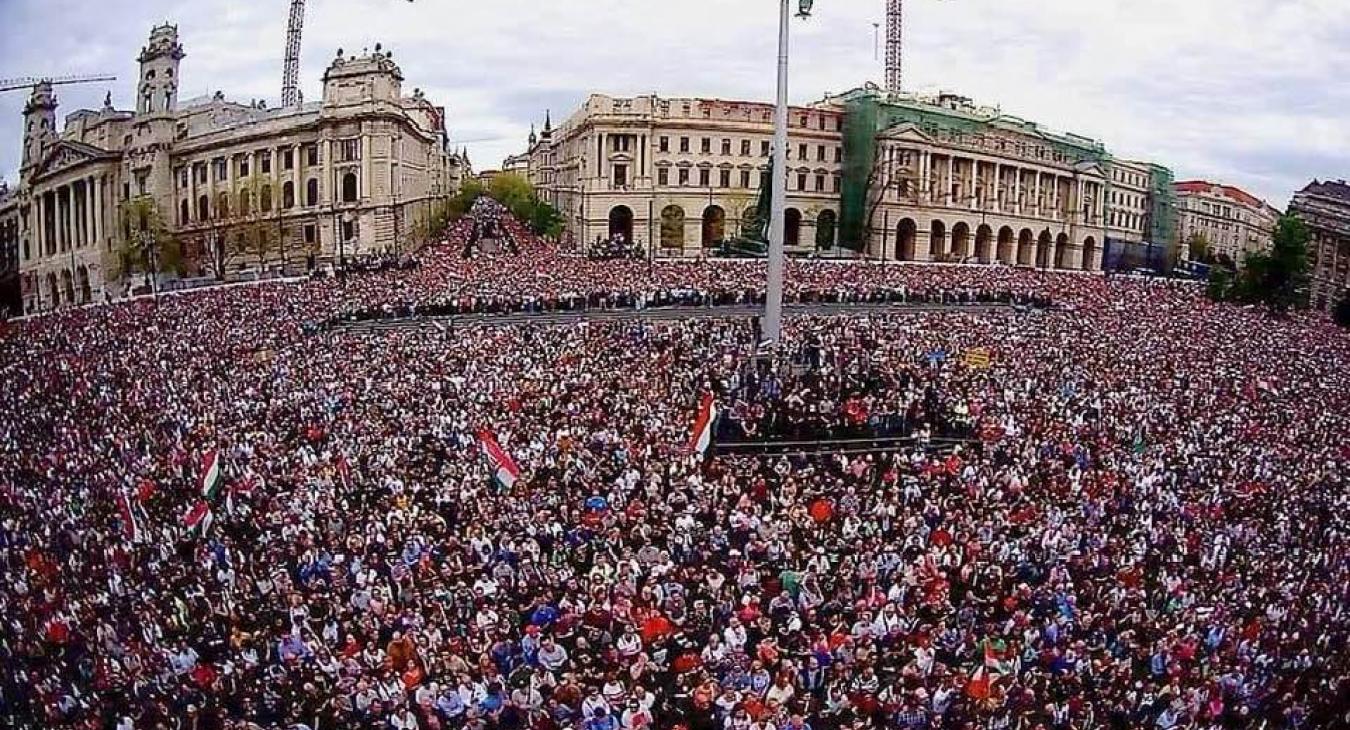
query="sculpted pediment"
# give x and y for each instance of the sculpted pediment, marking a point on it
(67, 155)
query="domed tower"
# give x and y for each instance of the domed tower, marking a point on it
(548, 126)
(158, 90)
(39, 127)
(534, 138)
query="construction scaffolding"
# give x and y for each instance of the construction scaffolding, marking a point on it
(949, 119)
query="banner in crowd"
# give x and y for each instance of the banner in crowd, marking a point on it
(701, 437)
(210, 482)
(503, 468)
(977, 359)
(130, 526)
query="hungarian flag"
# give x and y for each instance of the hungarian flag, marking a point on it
(198, 517)
(244, 486)
(995, 656)
(130, 527)
(980, 684)
(210, 480)
(701, 437)
(504, 470)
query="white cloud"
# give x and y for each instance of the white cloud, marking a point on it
(1249, 92)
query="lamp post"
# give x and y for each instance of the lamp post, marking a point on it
(773, 300)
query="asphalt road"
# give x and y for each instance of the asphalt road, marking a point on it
(659, 314)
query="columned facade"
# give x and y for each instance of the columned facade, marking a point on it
(937, 202)
(264, 188)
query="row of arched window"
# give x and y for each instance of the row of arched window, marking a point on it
(244, 200)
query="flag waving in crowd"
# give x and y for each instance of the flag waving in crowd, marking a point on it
(701, 437)
(210, 479)
(504, 469)
(126, 512)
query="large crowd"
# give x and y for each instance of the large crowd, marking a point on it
(1142, 522)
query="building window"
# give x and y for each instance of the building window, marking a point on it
(820, 183)
(265, 162)
(348, 230)
(664, 144)
(243, 202)
(684, 144)
(350, 150)
(310, 233)
(311, 155)
(265, 199)
(183, 212)
(820, 153)
(312, 192)
(182, 177)
(243, 166)
(764, 148)
(838, 154)
(203, 208)
(745, 148)
(801, 152)
(349, 188)
(288, 159)
(663, 176)
(288, 195)
(724, 178)
(220, 170)
(684, 176)
(745, 178)
(704, 178)
(801, 181)
(621, 176)
(706, 145)
(726, 148)
(223, 205)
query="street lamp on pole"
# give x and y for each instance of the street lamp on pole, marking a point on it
(773, 300)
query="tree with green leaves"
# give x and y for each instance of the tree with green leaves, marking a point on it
(146, 246)
(1198, 248)
(260, 226)
(1277, 278)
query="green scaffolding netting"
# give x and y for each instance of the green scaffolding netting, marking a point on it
(866, 115)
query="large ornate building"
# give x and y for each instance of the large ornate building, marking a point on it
(1233, 221)
(923, 178)
(1325, 208)
(235, 185)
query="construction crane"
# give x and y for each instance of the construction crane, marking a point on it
(28, 82)
(290, 71)
(895, 45)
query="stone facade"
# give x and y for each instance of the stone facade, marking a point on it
(681, 175)
(1234, 221)
(942, 179)
(239, 186)
(1325, 208)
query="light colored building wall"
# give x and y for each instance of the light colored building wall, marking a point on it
(1234, 222)
(206, 163)
(699, 166)
(1127, 200)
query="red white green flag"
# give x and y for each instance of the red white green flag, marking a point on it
(210, 479)
(198, 517)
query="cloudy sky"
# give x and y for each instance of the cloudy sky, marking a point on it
(1250, 92)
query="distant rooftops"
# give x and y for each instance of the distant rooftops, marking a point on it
(1201, 187)
(1338, 189)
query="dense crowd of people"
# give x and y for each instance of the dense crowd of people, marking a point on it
(503, 525)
